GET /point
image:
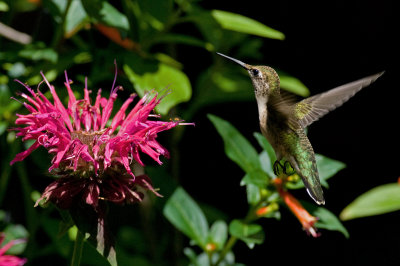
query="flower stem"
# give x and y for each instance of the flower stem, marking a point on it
(76, 256)
(233, 239)
(32, 218)
(229, 245)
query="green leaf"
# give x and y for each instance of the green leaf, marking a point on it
(36, 53)
(75, 18)
(184, 213)
(184, 39)
(160, 78)
(239, 23)
(16, 70)
(266, 146)
(166, 59)
(104, 12)
(268, 156)
(192, 256)
(13, 232)
(251, 234)
(293, 85)
(3, 6)
(221, 85)
(218, 234)
(3, 127)
(93, 223)
(156, 10)
(253, 193)
(327, 168)
(61, 243)
(266, 164)
(379, 200)
(203, 258)
(326, 219)
(239, 150)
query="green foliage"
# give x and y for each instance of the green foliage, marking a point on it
(239, 23)
(379, 200)
(218, 234)
(101, 11)
(267, 157)
(293, 85)
(12, 232)
(251, 234)
(262, 197)
(327, 220)
(95, 225)
(180, 85)
(239, 150)
(3, 6)
(184, 213)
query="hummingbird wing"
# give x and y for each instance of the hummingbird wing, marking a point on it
(313, 108)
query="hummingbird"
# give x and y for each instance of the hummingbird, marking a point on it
(283, 120)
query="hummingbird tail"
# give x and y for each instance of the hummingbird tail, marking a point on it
(314, 188)
(316, 195)
(308, 172)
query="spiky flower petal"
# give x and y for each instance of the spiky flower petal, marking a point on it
(93, 152)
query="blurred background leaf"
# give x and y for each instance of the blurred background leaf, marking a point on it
(239, 23)
(379, 200)
(165, 77)
(251, 234)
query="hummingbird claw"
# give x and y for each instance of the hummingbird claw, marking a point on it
(287, 165)
(276, 167)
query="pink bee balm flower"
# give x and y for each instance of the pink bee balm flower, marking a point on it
(93, 153)
(10, 260)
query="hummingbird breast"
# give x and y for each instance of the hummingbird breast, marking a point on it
(275, 127)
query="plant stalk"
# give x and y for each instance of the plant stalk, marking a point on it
(78, 247)
(233, 239)
(229, 245)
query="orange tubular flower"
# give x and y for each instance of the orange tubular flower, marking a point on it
(305, 218)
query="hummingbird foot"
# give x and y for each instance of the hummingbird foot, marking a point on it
(287, 166)
(277, 166)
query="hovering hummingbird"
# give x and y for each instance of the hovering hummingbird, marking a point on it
(282, 120)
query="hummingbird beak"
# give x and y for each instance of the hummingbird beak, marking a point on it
(245, 66)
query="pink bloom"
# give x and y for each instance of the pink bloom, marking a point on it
(9, 260)
(93, 154)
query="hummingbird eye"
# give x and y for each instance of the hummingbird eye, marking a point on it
(255, 72)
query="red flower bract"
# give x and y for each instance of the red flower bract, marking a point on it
(93, 154)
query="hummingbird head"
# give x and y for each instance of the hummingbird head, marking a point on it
(265, 79)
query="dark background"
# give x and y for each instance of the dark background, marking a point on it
(326, 45)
